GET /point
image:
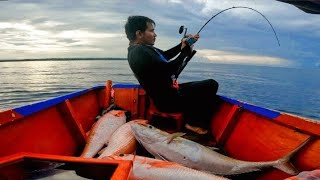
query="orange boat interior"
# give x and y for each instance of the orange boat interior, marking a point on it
(61, 129)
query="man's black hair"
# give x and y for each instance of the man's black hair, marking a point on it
(136, 23)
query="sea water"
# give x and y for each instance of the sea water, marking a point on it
(293, 90)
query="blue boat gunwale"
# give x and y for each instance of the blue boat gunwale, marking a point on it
(27, 110)
(272, 114)
(36, 107)
(256, 109)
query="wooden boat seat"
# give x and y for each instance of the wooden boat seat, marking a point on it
(172, 121)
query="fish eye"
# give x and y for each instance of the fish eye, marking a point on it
(150, 126)
(121, 155)
(184, 158)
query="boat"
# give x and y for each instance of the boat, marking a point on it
(308, 6)
(26, 165)
(56, 129)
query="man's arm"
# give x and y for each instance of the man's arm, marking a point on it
(175, 64)
(167, 67)
(169, 54)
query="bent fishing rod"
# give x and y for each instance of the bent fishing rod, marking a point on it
(243, 7)
(191, 41)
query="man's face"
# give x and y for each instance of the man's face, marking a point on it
(149, 36)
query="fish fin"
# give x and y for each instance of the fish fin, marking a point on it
(213, 148)
(134, 158)
(174, 135)
(159, 156)
(112, 106)
(284, 163)
(101, 151)
(287, 167)
(244, 169)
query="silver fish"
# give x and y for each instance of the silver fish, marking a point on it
(151, 169)
(61, 174)
(196, 156)
(122, 140)
(101, 132)
(306, 175)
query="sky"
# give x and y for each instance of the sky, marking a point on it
(95, 28)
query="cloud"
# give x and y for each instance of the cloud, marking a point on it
(292, 19)
(26, 37)
(225, 57)
(35, 29)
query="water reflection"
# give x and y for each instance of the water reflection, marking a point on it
(285, 89)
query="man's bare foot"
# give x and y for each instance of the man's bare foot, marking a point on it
(195, 129)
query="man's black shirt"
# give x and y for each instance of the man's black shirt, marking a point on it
(154, 71)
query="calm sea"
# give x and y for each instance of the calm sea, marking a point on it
(290, 90)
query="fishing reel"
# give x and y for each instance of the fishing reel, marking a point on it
(190, 41)
(181, 29)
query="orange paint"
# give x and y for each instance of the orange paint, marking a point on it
(16, 166)
(245, 135)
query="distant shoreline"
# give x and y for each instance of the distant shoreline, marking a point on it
(62, 59)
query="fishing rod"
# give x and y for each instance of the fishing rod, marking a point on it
(191, 40)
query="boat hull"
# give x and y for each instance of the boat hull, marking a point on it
(59, 126)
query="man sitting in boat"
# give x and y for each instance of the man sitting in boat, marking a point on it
(156, 74)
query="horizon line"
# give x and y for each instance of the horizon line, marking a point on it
(60, 59)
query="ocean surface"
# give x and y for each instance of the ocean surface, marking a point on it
(291, 90)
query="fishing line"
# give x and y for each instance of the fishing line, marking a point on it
(243, 7)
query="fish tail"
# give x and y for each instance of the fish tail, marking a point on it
(287, 167)
(284, 163)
